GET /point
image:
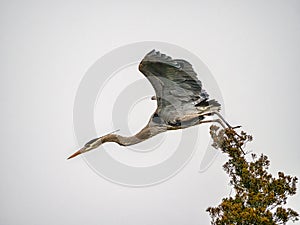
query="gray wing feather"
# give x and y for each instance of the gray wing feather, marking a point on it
(176, 85)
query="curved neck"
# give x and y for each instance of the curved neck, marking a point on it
(143, 135)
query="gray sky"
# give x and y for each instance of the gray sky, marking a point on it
(46, 47)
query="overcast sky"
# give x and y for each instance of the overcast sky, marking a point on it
(251, 48)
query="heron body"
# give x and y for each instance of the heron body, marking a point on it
(181, 101)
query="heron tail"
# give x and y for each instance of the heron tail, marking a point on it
(215, 106)
(210, 105)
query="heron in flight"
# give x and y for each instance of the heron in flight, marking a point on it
(181, 101)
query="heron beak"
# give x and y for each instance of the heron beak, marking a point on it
(77, 153)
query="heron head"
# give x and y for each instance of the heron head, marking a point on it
(92, 144)
(95, 143)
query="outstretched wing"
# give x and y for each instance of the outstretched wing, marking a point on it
(178, 90)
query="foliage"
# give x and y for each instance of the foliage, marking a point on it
(258, 196)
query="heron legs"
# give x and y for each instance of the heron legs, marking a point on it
(196, 120)
(222, 118)
(212, 121)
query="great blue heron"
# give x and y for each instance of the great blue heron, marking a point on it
(181, 101)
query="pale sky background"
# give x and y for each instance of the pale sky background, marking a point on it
(251, 47)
